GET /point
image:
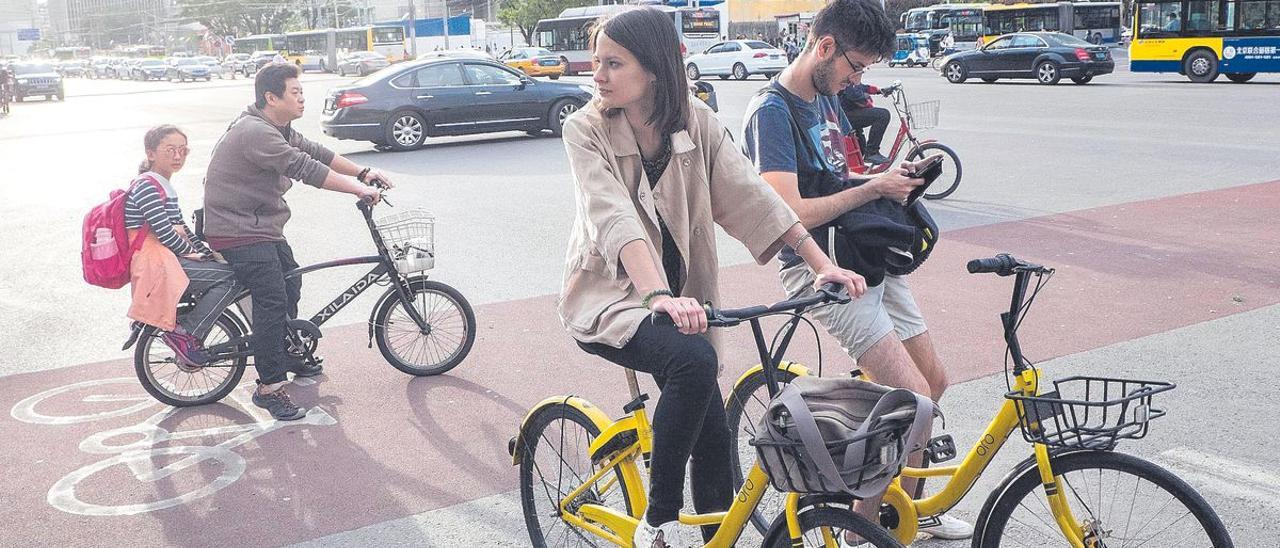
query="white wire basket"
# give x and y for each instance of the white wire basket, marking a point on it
(410, 238)
(923, 115)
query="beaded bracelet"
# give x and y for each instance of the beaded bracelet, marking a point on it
(362, 174)
(655, 293)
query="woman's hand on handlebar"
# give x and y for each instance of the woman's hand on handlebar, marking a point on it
(689, 316)
(369, 195)
(852, 281)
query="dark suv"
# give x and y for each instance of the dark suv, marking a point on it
(35, 79)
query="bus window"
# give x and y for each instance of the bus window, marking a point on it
(1157, 19)
(1205, 17)
(1260, 15)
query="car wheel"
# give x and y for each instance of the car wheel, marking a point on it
(1082, 80)
(1201, 67)
(955, 72)
(322, 67)
(560, 113)
(724, 76)
(770, 75)
(1047, 73)
(18, 98)
(1241, 77)
(534, 132)
(567, 71)
(341, 72)
(990, 80)
(692, 72)
(208, 78)
(62, 95)
(360, 71)
(554, 76)
(740, 71)
(406, 130)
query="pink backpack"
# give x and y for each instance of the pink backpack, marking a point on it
(105, 252)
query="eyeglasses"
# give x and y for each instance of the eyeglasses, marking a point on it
(857, 68)
(175, 151)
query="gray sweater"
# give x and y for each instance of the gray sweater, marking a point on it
(253, 165)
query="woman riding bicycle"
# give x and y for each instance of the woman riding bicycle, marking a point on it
(653, 170)
(171, 260)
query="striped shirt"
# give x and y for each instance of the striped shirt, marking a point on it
(144, 206)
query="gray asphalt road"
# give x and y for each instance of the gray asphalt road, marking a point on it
(503, 200)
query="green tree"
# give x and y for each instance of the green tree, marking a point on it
(524, 14)
(239, 17)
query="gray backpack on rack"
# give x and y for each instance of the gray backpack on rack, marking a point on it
(840, 435)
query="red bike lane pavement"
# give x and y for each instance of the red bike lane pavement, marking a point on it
(92, 460)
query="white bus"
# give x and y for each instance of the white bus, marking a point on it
(568, 34)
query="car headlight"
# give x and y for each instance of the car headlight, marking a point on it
(586, 88)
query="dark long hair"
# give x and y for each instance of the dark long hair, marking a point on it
(651, 37)
(152, 140)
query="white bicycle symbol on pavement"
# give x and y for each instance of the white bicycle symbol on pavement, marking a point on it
(140, 455)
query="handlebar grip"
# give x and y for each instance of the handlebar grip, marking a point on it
(835, 293)
(1001, 264)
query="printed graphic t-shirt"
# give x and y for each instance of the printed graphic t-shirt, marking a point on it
(769, 141)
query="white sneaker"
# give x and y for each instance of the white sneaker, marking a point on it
(666, 535)
(948, 528)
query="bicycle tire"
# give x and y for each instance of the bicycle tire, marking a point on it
(816, 519)
(743, 396)
(435, 317)
(951, 187)
(533, 431)
(226, 327)
(1074, 470)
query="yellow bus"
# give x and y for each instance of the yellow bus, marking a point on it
(319, 49)
(261, 42)
(1095, 22)
(1201, 39)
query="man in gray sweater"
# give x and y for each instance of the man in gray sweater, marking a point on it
(253, 165)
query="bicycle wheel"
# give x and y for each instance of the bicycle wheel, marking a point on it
(554, 462)
(823, 526)
(745, 406)
(949, 181)
(185, 386)
(451, 329)
(1122, 500)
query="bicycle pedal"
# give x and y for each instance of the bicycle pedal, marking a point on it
(619, 442)
(941, 449)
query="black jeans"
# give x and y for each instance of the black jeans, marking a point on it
(876, 118)
(260, 267)
(687, 422)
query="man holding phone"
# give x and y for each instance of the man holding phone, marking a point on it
(794, 132)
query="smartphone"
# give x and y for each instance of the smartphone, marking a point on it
(929, 172)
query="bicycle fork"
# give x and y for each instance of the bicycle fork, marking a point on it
(1054, 492)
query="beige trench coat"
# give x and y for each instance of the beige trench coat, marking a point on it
(707, 181)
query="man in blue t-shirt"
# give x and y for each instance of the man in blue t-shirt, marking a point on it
(884, 330)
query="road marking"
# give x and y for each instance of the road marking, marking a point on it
(1226, 476)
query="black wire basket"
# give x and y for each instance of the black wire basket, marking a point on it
(1088, 412)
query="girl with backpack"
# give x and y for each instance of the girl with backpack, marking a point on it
(171, 260)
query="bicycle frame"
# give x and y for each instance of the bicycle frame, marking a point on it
(619, 528)
(962, 477)
(904, 135)
(384, 270)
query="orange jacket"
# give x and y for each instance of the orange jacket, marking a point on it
(157, 282)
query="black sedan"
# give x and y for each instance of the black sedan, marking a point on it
(1044, 56)
(401, 105)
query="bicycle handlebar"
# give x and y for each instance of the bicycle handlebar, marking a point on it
(1003, 265)
(730, 317)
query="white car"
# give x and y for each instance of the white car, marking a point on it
(737, 58)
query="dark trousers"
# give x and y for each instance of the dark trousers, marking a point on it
(876, 118)
(261, 267)
(687, 422)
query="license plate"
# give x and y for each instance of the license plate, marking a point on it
(328, 104)
(1100, 55)
(549, 63)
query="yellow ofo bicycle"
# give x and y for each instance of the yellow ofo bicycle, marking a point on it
(1091, 496)
(581, 482)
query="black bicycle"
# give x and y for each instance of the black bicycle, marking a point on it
(422, 327)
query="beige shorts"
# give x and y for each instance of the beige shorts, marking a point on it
(864, 321)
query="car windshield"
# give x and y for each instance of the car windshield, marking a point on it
(187, 61)
(32, 69)
(153, 63)
(1069, 40)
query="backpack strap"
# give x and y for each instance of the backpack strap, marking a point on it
(136, 244)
